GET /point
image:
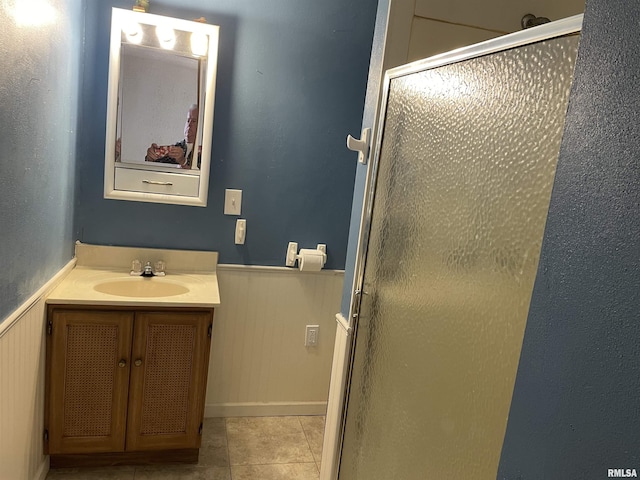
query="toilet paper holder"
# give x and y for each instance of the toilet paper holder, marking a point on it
(293, 255)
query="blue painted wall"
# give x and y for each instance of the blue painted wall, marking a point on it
(38, 123)
(368, 119)
(575, 411)
(291, 86)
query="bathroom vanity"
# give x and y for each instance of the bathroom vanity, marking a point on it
(127, 358)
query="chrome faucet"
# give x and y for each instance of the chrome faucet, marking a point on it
(148, 270)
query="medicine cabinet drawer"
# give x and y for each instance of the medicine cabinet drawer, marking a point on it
(147, 181)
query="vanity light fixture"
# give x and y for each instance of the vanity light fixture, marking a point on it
(166, 36)
(199, 42)
(133, 32)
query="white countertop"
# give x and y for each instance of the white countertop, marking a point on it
(78, 288)
(95, 267)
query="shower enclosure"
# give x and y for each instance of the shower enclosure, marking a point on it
(459, 191)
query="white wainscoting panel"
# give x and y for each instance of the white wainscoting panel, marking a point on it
(22, 352)
(335, 408)
(22, 363)
(259, 364)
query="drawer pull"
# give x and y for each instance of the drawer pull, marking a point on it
(138, 362)
(154, 182)
(122, 363)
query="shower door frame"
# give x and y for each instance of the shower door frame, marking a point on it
(559, 28)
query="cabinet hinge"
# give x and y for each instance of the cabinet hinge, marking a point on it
(210, 330)
(49, 327)
(46, 435)
(200, 429)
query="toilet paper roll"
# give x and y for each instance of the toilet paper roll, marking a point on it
(310, 260)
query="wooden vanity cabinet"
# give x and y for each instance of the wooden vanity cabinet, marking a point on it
(125, 383)
(87, 387)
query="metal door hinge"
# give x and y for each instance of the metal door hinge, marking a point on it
(49, 327)
(46, 435)
(200, 429)
(210, 330)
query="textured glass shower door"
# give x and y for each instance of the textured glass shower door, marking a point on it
(465, 170)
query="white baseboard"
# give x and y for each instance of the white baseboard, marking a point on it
(43, 469)
(265, 409)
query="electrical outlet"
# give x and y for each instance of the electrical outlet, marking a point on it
(311, 335)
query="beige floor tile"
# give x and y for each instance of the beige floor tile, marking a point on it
(260, 448)
(182, 473)
(287, 471)
(267, 440)
(313, 427)
(264, 425)
(103, 473)
(213, 449)
(214, 426)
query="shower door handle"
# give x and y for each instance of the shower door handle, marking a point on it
(360, 145)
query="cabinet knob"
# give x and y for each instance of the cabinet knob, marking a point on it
(138, 362)
(122, 363)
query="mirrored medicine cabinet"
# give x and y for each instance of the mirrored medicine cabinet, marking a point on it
(162, 76)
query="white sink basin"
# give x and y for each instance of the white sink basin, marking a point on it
(141, 287)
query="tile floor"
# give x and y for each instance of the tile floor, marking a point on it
(237, 448)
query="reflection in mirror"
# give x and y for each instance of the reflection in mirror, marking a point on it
(157, 93)
(160, 109)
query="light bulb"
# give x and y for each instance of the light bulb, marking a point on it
(199, 43)
(133, 32)
(167, 36)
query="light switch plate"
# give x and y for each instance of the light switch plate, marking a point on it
(232, 202)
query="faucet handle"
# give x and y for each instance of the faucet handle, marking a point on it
(159, 268)
(136, 267)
